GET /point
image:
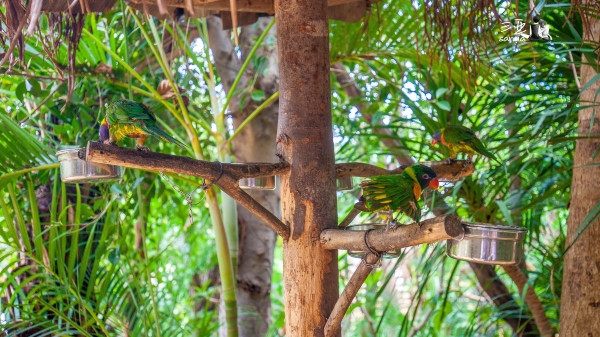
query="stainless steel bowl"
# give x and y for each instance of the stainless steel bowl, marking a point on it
(343, 183)
(74, 170)
(488, 244)
(258, 183)
(363, 227)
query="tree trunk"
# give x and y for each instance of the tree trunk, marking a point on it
(580, 308)
(255, 143)
(305, 141)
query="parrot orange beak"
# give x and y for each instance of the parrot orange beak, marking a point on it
(434, 184)
(433, 142)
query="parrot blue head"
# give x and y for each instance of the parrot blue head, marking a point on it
(104, 132)
(437, 137)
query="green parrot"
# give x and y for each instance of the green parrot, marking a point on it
(461, 139)
(127, 118)
(398, 193)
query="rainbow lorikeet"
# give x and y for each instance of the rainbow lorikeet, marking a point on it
(127, 118)
(399, 192)
(461, 139)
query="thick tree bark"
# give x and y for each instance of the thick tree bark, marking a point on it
(580, 308)
(305, 141)
(256, 143)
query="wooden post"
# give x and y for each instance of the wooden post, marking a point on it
(305, 142)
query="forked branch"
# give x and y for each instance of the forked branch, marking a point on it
(343, 303)
(432, 230)
(224, 175)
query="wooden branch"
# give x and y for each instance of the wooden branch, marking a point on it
(153, 161)
(244, 199)
(343, 303)
(432, 230)
(532, 300)
(358, 207)
(227, 180)
(444, 169)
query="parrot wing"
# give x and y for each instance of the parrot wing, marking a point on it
(395, 191)
(466, 138)
(127, 111)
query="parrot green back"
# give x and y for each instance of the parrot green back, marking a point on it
(464, 139)
(127, 117)
(126, 111)
(395, 191)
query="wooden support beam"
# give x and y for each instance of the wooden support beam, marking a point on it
(332, 327)
(225, 176)
(432, 230)
(305, 141)
(445, 170)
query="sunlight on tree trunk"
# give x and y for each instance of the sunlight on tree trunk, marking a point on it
(305, 141)
(580, 293)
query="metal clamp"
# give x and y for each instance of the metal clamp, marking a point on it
(206, 186)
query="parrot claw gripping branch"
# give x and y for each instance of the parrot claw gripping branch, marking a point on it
(227, 175)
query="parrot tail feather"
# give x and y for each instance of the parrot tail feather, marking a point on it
(158, 133)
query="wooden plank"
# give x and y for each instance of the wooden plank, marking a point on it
(90, 6)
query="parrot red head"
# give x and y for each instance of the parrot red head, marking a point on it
(104, 132)
(424, 175)
(437, 138)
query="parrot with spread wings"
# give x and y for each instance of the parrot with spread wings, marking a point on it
(461, 139)
(127, 118)
(399, 192)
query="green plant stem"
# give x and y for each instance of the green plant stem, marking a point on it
(155, 93)
(31, 169)
(254, 113)
(160, 57)
(225, 264)
(245, 65)
(126, 35)
(150, 286)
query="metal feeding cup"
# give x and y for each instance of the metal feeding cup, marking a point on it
(488, 244)
(258, 183)
(390, 254)
(343, 183)
(74, 170)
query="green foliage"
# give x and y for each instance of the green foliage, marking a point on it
(105, 260)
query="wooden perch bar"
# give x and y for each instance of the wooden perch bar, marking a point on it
(153, 161)
(358, 207)
(432, 230)
(343, 303)
(444, 169)
(226, 180)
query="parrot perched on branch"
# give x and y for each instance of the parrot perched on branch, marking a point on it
(398, 193)
(461, 139)
(127, 118)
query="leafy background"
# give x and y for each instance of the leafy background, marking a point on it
(124, 259)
